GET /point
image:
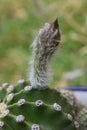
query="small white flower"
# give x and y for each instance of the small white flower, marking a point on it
(57, 107)
(76, 124)
(4, 85)
(1, 124)
(21, 102)
(10, 97)
(39, 103)
(70, 117)
(10, 88)
(20, 118)
(35, 127)
(28, 88)
(21, 81)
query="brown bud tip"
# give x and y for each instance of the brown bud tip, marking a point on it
(55, 24)
(51, 33)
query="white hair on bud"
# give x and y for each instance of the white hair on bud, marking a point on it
(43, 46)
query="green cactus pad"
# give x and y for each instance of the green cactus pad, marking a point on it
(25, 108)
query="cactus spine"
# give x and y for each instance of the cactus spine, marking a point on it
(27, 107)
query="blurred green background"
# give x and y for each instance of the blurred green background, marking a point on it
(19, 24)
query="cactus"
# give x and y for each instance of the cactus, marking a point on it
(33, 105)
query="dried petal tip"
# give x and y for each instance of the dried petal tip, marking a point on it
(55, 24)
(54, 27)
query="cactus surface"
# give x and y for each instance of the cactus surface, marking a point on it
(26, 108)
(33, 105)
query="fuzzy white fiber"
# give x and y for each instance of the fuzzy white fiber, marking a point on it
(43, 47)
